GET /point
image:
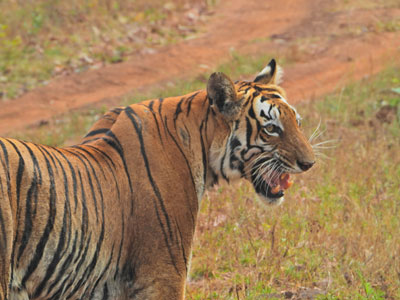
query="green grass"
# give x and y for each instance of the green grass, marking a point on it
(349, 5)
(41, 39)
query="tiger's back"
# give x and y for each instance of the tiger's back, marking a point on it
(77, 212)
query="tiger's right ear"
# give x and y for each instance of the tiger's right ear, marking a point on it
(222, 93)
(271, 74)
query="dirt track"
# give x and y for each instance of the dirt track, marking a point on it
(326, 49)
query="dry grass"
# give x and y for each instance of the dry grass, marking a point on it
(43, 38)
(337, 235)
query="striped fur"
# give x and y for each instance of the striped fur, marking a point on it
(114, 217)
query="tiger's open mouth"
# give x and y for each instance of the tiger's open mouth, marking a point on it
(271, 184)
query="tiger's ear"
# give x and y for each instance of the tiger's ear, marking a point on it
(271, 74)
(222, 93)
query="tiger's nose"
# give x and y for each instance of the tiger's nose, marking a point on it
(305, 165)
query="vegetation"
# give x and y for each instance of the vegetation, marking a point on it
(44, 38)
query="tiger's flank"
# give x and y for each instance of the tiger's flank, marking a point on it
(114, 217)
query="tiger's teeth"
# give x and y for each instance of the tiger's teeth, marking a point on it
(284, 176)
(275, 189)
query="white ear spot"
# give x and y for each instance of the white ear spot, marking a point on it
(265, 71)
(271, 74)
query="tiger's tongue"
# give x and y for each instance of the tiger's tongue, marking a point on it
(283, 183)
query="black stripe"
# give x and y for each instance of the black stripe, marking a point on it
(262, 114)
(251, 112)
(97, 131)
(269, 110)
(76, 271)
(3, 233)
(180, 150)
(155, 120)
(63, 269)
(121, 243)
(203, 148)
(187, 165)
(103, 154)
(20, 171)
(89, 176)
(32, 193)
(138, 128)
(73, 175)
(57, 295)
(182, 247)
(39, 251)
(6, 168)
(130, 112)
(92, 140)
(221, 167)
(101, 275)
(117, 110)
(114, 143)
(84, 216)
(105, 292)
(5, 152)
(108, 162)
(178, 110)
(89, 270)
(56, 258)
(189, 101)
(249, 131)
(65, 234)
(100, 190)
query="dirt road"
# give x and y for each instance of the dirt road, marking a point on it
(325, 47)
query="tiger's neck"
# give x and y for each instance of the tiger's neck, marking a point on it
(182, 128)
(192, 129)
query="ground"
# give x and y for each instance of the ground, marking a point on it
(321, 44)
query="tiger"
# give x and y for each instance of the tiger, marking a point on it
(113, 217)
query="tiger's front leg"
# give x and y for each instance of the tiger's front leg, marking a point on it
(158, 290)
(155, 276)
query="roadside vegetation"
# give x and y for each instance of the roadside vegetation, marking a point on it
(42, 39)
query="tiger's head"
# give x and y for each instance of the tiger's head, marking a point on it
(265, 144)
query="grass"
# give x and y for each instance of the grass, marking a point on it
(349, 5)
(336, 236)
(43, 38)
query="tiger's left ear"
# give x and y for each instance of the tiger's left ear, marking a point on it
(222, 94)
(271, 74)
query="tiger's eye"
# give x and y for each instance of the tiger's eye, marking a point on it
(270, 128)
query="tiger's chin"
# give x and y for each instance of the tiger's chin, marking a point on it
(264, 193)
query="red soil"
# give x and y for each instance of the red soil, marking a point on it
(326, 49)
